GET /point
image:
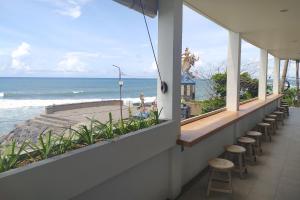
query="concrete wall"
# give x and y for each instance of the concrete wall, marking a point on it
(139, 158)
(54, 108)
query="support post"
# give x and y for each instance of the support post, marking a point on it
(276, 76)
(263, 69)
(233, 72)
(297, 80)
(169, 61)
(169, 56)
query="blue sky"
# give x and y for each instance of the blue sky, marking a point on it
(84, 38)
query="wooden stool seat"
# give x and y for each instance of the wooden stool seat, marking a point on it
(218, 166)
(278, 112)
(280, 116)
(272, 122)
(254, 133)
(264, 124)
(269, 119)
(273, 116)
(235, 149)
(286, 106)
(249, 144)
(264, 128)
(257, 136)
(246, 140)
(236, 154)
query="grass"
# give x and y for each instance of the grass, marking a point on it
(50, 144)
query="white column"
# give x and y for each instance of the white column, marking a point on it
(263, 70)
(169, 56)
(276, 76)
(169, 61)
(233, 72)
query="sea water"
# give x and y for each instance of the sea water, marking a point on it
(24, 98)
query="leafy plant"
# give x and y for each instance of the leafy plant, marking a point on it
(155, 114)
(66, 143)
(105, 130)
(212, 104)
(11, 157)
(49, 145)
(86, 135)
(290, 96)
(45, 147)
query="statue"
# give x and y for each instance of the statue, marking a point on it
(188, 61)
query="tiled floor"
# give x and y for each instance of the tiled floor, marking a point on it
(276, 175)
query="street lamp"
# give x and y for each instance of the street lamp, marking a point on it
(121, 83)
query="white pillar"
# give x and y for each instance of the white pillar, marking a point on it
(233, 72)
(169, 61)
(276, 76)
(263, 70)
(169, 56)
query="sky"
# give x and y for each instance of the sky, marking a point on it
(84, 38)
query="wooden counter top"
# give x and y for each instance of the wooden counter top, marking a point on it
(194, 132)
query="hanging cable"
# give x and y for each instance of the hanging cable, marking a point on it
(164, 86)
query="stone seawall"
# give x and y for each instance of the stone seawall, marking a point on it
(55, 108)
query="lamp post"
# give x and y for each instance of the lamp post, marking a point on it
(121, 83)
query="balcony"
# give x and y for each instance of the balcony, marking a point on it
(276, 175)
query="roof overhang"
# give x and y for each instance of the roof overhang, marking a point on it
(268, 24)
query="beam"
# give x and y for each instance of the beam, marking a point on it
(263, 70)
(233, 72)
(276, 76)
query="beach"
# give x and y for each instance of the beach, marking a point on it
(22, 99)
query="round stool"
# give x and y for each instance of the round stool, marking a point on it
(264, 128)
(273, 116)
(218, 165)
(283, 109)
(257, 136)
(286, 106)
(249, 144)
(280, 116)
(236, 154)
(272, 123)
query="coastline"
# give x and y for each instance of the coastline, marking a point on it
(67, 116)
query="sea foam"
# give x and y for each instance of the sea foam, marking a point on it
(15, 103)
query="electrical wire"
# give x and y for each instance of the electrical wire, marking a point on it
(150, 39)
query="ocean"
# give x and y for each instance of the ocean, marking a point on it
(23, 98)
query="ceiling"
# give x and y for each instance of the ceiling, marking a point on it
(273, 25)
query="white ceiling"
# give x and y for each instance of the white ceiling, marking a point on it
(260, 22)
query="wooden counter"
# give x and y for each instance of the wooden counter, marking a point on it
(194, 132)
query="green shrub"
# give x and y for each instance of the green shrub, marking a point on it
(212, 104)
(45, 147)
(49, 145)
(11, 156)
(290, 96)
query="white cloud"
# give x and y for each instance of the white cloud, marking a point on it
(19, 55)
(71, 8)
(151, 69)
(75, 61)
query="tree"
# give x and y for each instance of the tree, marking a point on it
(248, 85)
